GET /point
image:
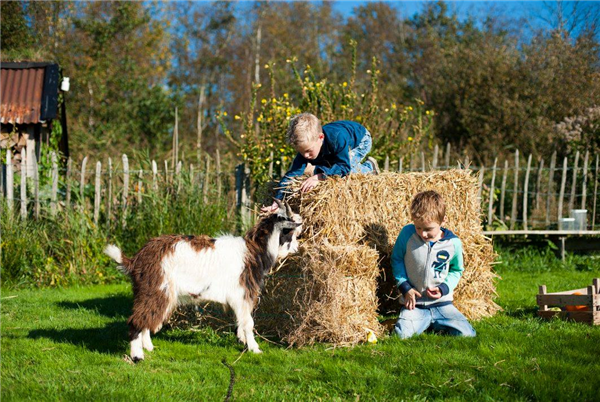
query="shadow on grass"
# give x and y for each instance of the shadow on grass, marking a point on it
(102, 340)
(111, 307)
(521, 312)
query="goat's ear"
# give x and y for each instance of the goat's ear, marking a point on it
(282, 210)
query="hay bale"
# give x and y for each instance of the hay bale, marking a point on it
(351, 225)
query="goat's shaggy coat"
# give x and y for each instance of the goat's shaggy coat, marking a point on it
(228, 270)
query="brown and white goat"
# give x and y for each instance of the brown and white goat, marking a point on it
(228, 270)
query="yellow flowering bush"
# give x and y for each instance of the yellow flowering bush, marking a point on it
(398, 129)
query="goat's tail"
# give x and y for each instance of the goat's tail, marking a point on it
(116, 254)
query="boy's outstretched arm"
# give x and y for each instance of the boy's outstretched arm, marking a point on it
(398, 267)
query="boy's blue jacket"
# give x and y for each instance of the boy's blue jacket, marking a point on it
(419, 265)
(334, 157)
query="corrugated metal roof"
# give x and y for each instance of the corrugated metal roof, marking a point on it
(21, 91)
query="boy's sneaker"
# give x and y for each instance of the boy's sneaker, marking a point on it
(374, 165)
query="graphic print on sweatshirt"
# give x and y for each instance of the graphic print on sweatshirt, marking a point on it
(441, 260)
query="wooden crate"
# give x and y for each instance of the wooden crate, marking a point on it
(590, 297)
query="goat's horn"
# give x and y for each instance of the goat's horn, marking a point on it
(278, 202)
(288, 209)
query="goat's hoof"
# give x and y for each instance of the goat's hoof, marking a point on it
(149, 348)
(137, 359)
(257, 351)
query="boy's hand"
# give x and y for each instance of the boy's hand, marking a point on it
(310, 183)
(272, 208)
(410, 299)
(434, 293)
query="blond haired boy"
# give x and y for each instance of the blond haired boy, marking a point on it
(335, 149)
(427, 264)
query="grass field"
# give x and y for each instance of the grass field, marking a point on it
(68, 344)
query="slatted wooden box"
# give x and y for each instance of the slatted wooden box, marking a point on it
(589, 297)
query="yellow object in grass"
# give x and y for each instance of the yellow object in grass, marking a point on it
(371, 337)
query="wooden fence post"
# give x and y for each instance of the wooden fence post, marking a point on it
(538, 183)
(125, 189)
(434, 162)
(82, 182)
(491, 199)
(584, 185)
(242, 174)
(386, 164)
(36, 185)
(574, 181)
(9, 181)
(595, 194)
(97, 195)
(178, 176)
(154, 173)
(109, 198)
(400, 163)
(54, 183)
(206, 180)
(561, 195)
(218, 161)
(513, 213)
(68, 181)
(139, 186)
(480, 183)
(422, 161)
(447, 156)
(24, 186)
(526, 192)
(550, 187)
(503, 189)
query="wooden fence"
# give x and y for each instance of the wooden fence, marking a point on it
(515, 192)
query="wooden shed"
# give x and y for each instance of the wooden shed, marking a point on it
(30, 107)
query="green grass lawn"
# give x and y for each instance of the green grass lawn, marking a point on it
(69, 344)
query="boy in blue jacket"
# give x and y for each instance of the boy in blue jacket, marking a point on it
(427, 264)
(335, 149)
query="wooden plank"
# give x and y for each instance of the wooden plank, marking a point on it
(434, 162)
(526, 192)
(584, 184)
(97, 194)
(480, 183)
(513, 214)
(199, 127)
(206, 180)
(36, 186)
(561, 195)
(595, 193)
(68, 181)
(542, 232)
(579, 316)
(23, 186)
(574, 182)
(447, 156)
(125, 192)
(54, 177)
(567, 299)
(491, 197)
(503, 189)
(538, 183)
(10, 178)
(550, 195)
(139, 185)
(219, 183)
(109, 197)
(178, 176)
(82, 181)
(154, 173)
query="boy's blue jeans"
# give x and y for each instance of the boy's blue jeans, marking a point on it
(359, 153)
(444, 319)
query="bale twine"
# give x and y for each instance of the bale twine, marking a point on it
(334, 289)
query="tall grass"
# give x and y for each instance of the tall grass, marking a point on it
(67, 249)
